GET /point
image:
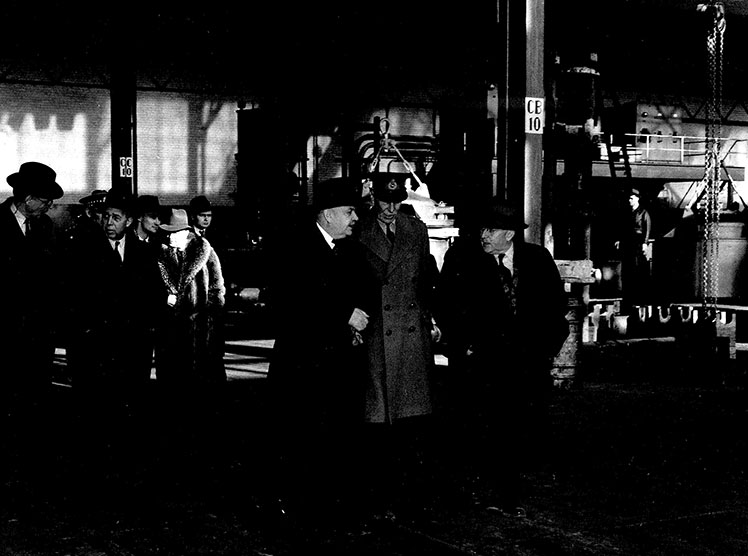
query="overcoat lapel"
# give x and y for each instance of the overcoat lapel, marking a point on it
(375, 240)
(403, 247)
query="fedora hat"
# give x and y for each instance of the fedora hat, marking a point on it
(389, 187)
(96, 199)
(200, 204)
(501, 216)
(120, 199)
(336, 192)
(177, 221)
(147, 204)
(37, 179)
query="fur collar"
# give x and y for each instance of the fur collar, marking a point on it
(195, 258)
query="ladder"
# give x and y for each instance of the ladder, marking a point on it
(618, 159)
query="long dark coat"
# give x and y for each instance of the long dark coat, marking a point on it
(499, 383)
(112, 310)
(190, 338)
(401, 358)
(316, 371)
(473, 312)
(30, 293)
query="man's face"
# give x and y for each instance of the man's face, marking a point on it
(203, 219)
(116, 222)
(149, 223)
(36, 206)
(387, 212)
(634, 202)
(340, 221)
(495, 240)
(96, 214)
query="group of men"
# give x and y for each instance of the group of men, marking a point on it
(356, 414)
(360, 309)
(99, 289)
(112, 321)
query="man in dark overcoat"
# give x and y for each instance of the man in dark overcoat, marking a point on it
(400, 383)
(318, 297)
(502, 311)
(30, 290)
(112, 290)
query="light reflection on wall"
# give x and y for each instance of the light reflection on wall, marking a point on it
(65, 128)
(186, 147)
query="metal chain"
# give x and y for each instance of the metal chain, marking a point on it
(710, 250)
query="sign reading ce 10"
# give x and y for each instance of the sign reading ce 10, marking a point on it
(534, 115)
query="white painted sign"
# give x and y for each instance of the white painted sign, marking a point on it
(125, 166)
(534, 115)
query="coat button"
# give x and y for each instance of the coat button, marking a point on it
(387, 307)
(413, 305)
(388, 333)
(411, 329)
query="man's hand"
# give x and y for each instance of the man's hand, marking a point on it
(436, 333)
(647, 251)
(359, 320)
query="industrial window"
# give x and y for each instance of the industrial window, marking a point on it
(67, 128)
(186, 146)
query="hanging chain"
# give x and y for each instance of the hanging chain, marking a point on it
(710, 250)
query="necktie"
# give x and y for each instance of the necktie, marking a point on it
(26, 227)
(507, 284)
(390, 234)
(116, 251)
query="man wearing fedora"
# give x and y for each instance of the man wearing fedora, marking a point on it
(28, 261)
(201, 214)
(502, 308)
(147, 219)
(112, 291)
(318, 296)
(400, 385)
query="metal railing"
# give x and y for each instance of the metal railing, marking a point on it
(678, 149)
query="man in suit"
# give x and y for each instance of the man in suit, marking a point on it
(318, 297)
(502, 309)
(29, 287)
(115, 315)
(400, 384)
(114, 287)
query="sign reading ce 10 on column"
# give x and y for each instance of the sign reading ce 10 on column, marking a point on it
(534, 115)
(125, 166)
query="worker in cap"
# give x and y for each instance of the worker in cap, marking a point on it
(94, 205)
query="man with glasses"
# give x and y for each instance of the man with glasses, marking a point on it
(502, 306)
(28, 287)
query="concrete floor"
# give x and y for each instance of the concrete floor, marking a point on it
(649, 459)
